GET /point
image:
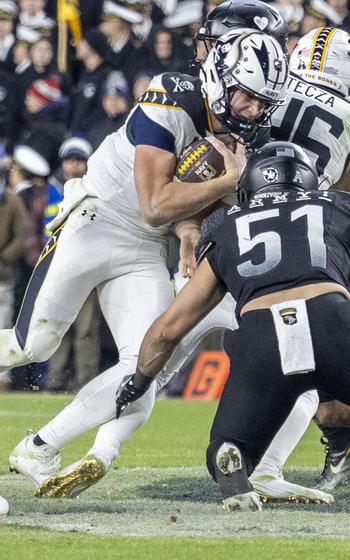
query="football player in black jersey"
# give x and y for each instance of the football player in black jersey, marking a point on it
(283, 253)
(316, 117)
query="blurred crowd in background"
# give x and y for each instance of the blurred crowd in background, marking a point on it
(63, 88)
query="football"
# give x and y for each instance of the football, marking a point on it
(199, 162)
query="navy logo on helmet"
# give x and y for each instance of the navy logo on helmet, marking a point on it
(270, 175)
(263, 57)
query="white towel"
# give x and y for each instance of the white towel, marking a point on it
(294, 336)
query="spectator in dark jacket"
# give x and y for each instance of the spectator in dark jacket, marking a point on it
(94, 52)
(28, 179)
(13, 218)
(115, 108)
(164, 58)
(129, 54)
(45, 105)
(42, 67)
(8, 12)
(6, 89)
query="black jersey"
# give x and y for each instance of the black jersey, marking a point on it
(281, 241)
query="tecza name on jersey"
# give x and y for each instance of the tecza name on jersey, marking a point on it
(311, 91)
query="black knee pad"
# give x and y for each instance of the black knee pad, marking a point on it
(214, 446)
(211, 456)
(228, 469)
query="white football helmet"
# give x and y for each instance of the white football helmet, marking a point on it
(322, 56)
(253, 62)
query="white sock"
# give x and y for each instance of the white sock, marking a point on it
(112, 435)
(93, 406)
(289, 435)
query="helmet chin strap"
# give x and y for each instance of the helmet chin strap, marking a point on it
(237, 124)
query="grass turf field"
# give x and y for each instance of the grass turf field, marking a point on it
(158, 501)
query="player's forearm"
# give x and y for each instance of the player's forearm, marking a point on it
(177, 201)
(155, 352)
(188, 228)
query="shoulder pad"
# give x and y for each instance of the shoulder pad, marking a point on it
(157, 97)
(185, 91)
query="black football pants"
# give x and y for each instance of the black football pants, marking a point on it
(258, 397)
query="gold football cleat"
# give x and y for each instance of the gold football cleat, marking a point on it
(73, 480)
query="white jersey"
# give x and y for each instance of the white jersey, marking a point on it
(318, 120)
(170, 115)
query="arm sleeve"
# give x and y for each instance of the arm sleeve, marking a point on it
(212, 258)
(144, 130)
(161, 121)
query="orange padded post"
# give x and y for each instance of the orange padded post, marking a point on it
(208, 377)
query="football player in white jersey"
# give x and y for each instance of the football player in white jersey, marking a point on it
(111, 233)
(317, 112)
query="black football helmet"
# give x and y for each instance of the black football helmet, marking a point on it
(241, 14)
(277, 167)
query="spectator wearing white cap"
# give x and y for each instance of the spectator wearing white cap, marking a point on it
(115, 107)
(27, 178)
(184, 21)
(32, 14)
(8, 12)
(25, 38)
(128, 52)
(341, 8)
(143, 29)
(318, 13)
(31, 166)
(82, 341)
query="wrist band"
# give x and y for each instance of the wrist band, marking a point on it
(140, 381)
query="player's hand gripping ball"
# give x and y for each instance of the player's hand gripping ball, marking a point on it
(199, 162)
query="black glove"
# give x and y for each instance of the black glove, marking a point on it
(131, 388)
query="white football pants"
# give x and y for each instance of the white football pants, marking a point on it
(133, 286)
